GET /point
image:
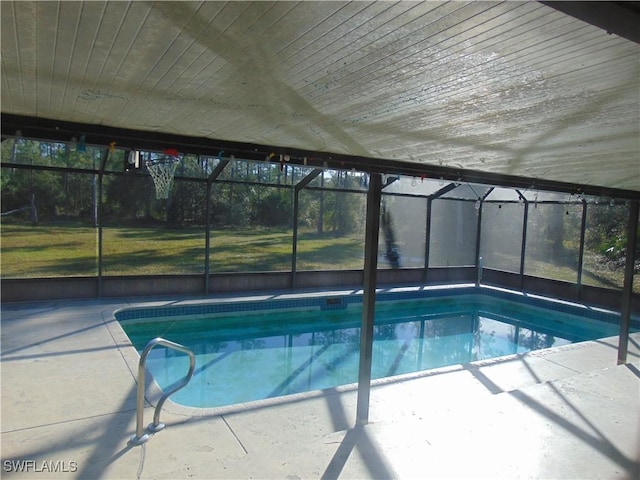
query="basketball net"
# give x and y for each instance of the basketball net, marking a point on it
(162, 171)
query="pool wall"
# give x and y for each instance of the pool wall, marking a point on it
(341, 300)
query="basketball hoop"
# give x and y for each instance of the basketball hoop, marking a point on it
(162, 170)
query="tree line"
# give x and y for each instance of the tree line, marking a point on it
(246, 192)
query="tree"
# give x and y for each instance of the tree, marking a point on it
(274, 209)
(606, 233)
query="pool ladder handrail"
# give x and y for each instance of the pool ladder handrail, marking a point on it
(140, 437)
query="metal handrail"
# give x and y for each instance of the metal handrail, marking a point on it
(140, 437)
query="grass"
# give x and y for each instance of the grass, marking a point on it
(592, 273)
(48, 251)
(597, 274)
(71, 250)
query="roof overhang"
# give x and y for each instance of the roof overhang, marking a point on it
(501, 92)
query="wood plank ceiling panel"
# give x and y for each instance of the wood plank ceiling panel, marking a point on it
(512, 88)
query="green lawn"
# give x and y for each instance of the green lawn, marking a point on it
(71, 250)
(593, 273)
(48, 251)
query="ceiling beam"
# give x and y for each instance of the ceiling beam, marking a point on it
(63, 131)
(618, 18)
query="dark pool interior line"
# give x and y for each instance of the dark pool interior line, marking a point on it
(342, 301)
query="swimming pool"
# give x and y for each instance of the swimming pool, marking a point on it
(254, 350)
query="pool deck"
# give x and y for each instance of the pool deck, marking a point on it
(69, 403)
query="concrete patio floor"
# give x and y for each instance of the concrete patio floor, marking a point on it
(69, 397)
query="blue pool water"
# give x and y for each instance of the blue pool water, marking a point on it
(255, 354)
